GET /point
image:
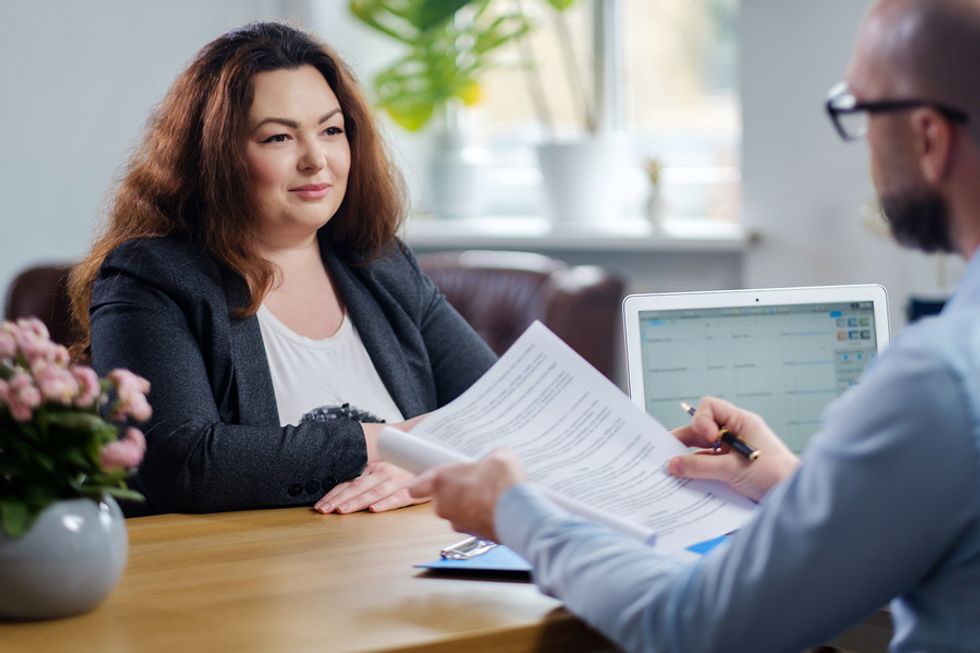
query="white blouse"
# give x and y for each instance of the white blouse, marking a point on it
(323, 379)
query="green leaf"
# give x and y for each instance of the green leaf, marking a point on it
(40, 494)
(77, 458)
(432, 13)
(502, 30)
(378, 15)
(562, 5)
(77, 421)
(17, 518)
(124, 493)
(44, 461)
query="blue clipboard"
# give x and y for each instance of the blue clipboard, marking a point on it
(497, 559)
(500, 559)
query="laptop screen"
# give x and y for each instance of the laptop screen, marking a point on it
(785, 362)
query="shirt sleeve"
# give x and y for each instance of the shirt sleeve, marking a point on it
(876, 503)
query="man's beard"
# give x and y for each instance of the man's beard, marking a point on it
(918, 219)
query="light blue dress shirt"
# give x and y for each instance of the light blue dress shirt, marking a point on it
(884, 507)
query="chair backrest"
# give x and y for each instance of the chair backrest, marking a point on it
(42, 292)
(501, 293)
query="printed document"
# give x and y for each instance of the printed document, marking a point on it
(581, 440)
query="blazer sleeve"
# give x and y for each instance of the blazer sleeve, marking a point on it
(196, 461)
(458, 355)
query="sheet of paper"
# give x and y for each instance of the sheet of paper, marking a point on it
(580, 438)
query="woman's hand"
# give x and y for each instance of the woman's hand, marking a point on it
(467, 494)
(752, 479)
(382, 486)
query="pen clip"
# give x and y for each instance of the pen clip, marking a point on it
(466, 549)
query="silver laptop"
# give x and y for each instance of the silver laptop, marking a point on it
(784, 353)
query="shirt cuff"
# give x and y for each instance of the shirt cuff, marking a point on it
(519, 514)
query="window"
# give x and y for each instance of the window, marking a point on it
(679, 97)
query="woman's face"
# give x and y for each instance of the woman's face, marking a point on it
(297, 153)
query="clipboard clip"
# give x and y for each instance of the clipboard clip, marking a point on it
(466, 549)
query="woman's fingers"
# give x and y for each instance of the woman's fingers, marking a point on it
(378, 482)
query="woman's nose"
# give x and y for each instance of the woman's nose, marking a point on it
(314, 157)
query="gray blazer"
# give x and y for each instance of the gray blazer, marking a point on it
(163, 308)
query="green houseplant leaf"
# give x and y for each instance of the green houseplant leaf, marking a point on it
(445, 56)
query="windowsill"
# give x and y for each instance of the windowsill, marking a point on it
(538, 233)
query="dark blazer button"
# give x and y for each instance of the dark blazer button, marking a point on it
(328, 482)
(295, 489)
(312, 486)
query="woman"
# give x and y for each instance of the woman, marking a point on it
(250, 272)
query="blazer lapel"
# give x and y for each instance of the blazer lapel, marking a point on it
(253, 380)
(374, 328)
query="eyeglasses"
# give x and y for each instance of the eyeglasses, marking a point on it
(850, 117)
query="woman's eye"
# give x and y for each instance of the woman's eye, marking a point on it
(277, 138)
(333, 131)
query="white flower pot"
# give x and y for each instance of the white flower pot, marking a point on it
(457, 176)
(66, 564)
(583, 179)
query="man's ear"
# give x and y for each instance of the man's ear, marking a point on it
(933, 140)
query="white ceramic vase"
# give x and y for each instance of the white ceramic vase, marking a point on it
(66, 564)
(583, 179)
(457, 172)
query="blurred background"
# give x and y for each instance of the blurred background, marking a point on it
(712, 162)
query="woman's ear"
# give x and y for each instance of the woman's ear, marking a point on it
(933, 136)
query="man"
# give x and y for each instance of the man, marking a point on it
(886, 504)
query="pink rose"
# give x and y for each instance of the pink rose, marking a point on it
(131, 393)
(134, 405)
(22, 396)
(125, 453)
(126, 380)
(56, 383)
(32, 346)
(8, 344)
(35, 327)
(59, 355)
(89, 389)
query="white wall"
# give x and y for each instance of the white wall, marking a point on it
(78, 79)
(804, 188)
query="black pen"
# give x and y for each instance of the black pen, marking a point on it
(726, 436)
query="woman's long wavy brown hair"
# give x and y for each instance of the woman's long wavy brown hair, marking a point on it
(189, 175)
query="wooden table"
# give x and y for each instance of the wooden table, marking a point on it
(292, 580)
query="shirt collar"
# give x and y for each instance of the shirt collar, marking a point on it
(968, 290)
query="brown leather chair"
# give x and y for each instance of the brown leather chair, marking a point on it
(41, 292)
(501, 293)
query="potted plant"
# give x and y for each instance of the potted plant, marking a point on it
(582, 172)
(448, 45)
(63, 538)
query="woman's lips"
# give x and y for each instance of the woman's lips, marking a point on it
(311, 191)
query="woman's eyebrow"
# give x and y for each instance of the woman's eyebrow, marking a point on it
(292, 124)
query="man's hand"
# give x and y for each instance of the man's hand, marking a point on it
(752, 479)
(382, 486)
(467, 494)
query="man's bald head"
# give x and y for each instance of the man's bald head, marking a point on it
(924, 49)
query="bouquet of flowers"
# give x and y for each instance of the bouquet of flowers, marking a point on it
(54, 441)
